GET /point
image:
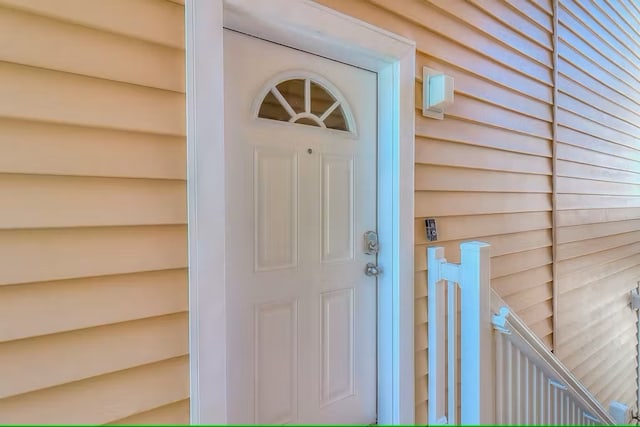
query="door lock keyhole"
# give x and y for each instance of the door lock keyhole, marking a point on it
(310, 151)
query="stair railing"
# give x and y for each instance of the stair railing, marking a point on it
(484, 353)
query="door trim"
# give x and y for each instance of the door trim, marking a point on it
(314, 28)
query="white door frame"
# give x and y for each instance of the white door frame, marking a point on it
(311, 27)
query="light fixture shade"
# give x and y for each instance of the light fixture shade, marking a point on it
(437, 93)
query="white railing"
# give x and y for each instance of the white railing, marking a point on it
(506, 374)
(531, 385)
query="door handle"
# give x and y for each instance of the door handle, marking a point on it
(372, 269)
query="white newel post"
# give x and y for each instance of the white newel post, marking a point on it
(473, 276)
(476, 358)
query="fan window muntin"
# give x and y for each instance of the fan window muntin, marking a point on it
(307, 100)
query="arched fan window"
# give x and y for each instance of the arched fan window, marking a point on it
(305, 101)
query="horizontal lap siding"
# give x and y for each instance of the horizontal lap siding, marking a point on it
(93, 287)
(598, 189)
(485, 171)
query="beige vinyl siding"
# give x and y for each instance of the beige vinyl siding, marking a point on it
(171, 414)
(485, 171)
(93, 284)
(599, 193)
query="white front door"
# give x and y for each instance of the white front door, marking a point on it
(300, 155)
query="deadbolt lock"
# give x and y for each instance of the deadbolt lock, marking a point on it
(371, 246)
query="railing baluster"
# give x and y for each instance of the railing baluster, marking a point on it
(518, 385)
(500, 379)
(534, 394)
(452, 359)
(436, 305)
(436, 324)
(556, 403)
(549, 400)
(509, 370)
(527, 402)
(544, 386)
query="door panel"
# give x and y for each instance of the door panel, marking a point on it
(276, 208)
(337, 208)
(300, 194)
(276, 361)
(337, 345)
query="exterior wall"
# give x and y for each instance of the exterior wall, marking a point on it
(485, 171)
(598, 188)
(93, 284)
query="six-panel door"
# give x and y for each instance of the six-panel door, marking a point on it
(300, 153)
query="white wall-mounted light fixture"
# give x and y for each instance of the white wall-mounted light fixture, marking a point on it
(437, 93)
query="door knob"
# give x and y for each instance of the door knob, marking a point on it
(372, 270)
